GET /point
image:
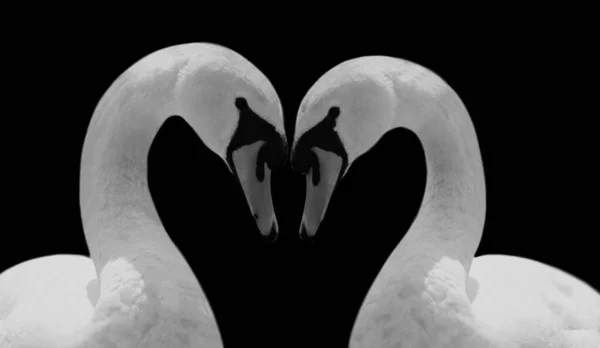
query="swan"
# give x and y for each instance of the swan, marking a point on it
(136, 289)
(431, 291)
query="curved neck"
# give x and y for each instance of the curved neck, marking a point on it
(452, 212)
(118, 214)
(140, 271)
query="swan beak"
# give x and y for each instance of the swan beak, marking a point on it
(256, 183)
(320, 183)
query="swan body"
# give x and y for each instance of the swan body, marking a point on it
(534, 304)
(136, 289)
(48, 298)
(431, 291)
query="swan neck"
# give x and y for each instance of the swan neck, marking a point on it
(141, 273)
(117, 209)
(452, 212)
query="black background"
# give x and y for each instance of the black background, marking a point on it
(527, 114)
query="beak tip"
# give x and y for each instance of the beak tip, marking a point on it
(271, 237)
(304, 233)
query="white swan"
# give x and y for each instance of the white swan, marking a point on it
(432, 292)
(137, 290)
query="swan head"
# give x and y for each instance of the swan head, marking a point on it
(342, 116)
(225, 99)
(349, 109)
(239, 117)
